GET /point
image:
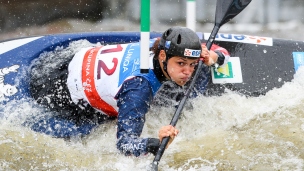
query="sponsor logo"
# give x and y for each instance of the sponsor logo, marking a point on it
(167, 44)
(130, 62)
(229, 73)
(192, 53)
(224, 72)
(128, 57)
(7, 90)
(242, 39)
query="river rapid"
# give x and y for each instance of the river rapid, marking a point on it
(242, 133)
(229, 132)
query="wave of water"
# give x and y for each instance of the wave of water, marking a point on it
(229, 132)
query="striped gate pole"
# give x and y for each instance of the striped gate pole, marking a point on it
(144, 35)
(191, 14)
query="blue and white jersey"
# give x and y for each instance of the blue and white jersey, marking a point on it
(97, 73)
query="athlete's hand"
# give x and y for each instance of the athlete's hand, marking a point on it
(167, 131)
(208, 57)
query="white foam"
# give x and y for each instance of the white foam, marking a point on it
(230, 132)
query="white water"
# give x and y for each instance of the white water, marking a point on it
(230, 132)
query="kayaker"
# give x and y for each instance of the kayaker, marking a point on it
(104, 82)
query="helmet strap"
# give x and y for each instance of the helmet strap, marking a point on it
(165, 66)
(165, 63)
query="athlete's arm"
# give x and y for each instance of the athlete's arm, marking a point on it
(134, 99)
(223, 54)
(217, 55)
(220, 56)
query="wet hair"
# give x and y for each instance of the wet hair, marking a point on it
(155, 48)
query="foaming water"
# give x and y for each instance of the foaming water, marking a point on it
(229, 132)
(233, 132)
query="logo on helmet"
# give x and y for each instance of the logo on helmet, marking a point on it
(167, 45)
(192, 53)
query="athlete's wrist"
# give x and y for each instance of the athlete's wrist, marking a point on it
(220, 58)
(153, 145)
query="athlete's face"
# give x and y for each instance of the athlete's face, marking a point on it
(180, 69)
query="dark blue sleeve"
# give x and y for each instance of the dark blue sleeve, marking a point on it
(202, 81)
(134, 99)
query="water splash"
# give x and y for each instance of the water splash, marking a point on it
(229, 132)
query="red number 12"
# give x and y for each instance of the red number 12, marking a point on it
(101, 64)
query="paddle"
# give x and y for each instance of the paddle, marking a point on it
(225, 11)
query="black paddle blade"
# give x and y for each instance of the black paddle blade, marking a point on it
(227, 9)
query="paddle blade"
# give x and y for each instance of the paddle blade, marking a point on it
(227, 9)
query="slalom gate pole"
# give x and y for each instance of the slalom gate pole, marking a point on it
(144, 35)
(191, 14)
